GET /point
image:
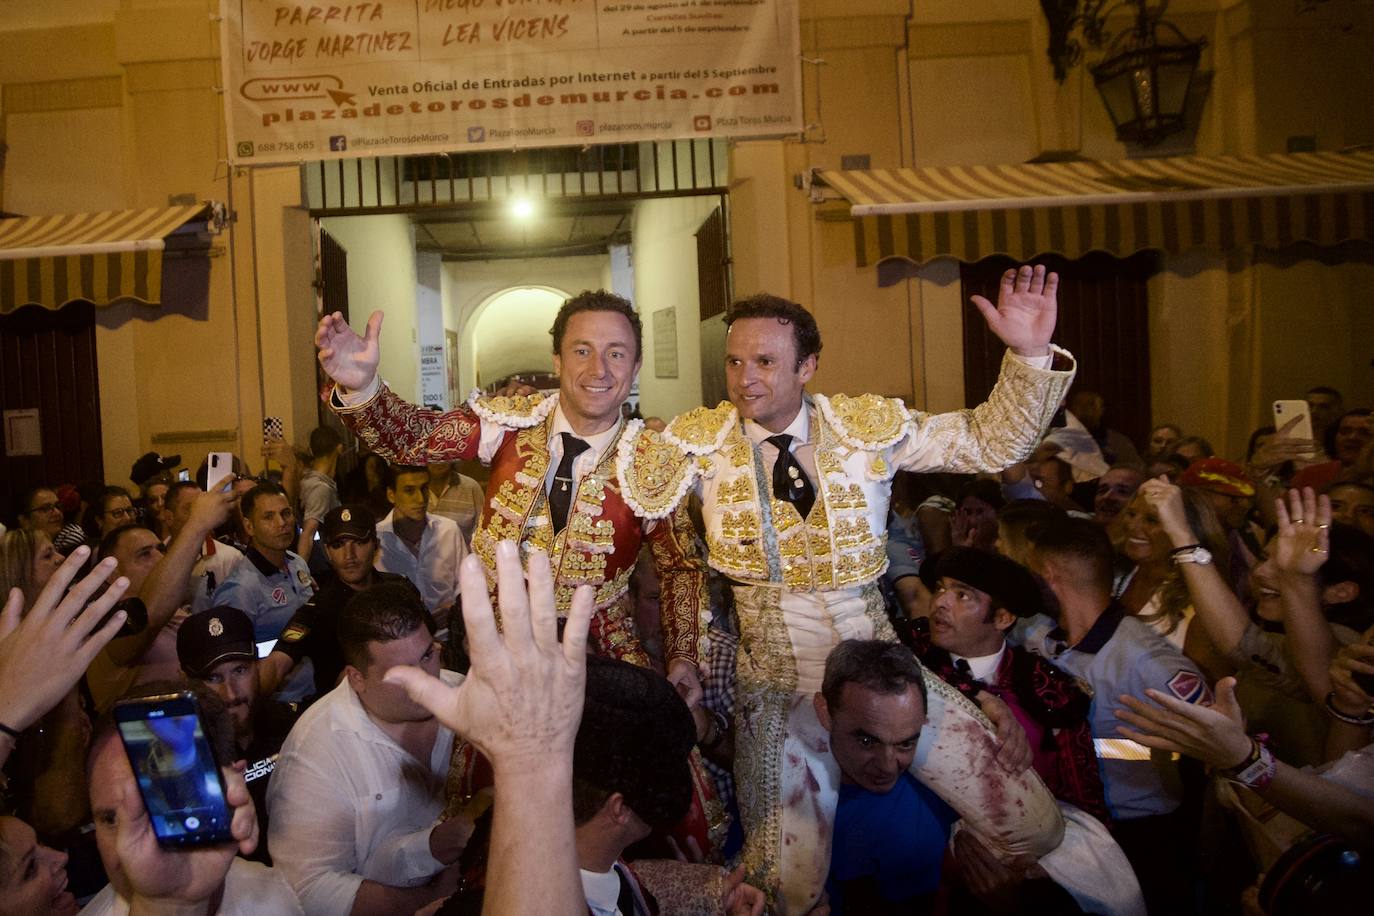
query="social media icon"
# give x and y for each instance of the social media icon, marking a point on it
(586, 128)
(701, 122)
(338, 143)
(477, 134)
(245, 149)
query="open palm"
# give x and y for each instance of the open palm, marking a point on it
(1026, 309)
(348, 359)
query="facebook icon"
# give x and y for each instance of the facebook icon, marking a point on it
(338, 143)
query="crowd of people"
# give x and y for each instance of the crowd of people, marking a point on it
(791, 653)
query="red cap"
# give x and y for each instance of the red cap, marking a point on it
(1219, 476)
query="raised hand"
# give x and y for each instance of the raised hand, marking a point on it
(1302, 543)
(522, 699)
(1167, 501)
(348, 359)
(1213, 734)
(44, 654)
(1026, 309)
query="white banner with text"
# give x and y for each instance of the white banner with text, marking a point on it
(402, 77)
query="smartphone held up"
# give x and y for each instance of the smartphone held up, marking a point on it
(175, 767)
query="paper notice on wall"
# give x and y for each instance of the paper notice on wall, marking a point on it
(23, 433)
(433, 377)
(327, 81)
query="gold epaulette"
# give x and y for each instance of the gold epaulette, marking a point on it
(655, 472)
(867, 422)
(513, 412)
(701, 430)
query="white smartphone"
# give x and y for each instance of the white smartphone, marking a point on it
(220, 465)
(1285, 411)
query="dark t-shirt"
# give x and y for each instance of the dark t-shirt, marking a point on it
(271, 723)
(313, 630)
(888, 849)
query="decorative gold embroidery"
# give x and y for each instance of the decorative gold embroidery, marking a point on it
(867, 422)
(654, 473)
(701, 430)
(513, 412)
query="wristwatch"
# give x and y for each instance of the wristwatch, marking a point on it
(1193, 553)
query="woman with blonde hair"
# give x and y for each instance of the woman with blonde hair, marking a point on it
(27, 562)
(1154, 589)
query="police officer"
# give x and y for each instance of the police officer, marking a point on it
(1115, 654)
(215, 648)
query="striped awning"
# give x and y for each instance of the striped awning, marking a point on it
(99, 257)
(1173, 204)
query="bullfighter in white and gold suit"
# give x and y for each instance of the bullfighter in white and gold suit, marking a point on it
(805, 578)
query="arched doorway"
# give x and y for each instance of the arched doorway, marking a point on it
(508, 334)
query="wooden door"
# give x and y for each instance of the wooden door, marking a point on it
(48, 362)
(1103, 321)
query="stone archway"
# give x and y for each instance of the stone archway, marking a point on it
(508, 333)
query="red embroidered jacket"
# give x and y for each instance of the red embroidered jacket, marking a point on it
(602, 540)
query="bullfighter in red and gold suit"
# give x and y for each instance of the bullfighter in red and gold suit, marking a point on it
(553, 483)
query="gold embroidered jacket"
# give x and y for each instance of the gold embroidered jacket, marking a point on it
(859, 444)
(601, 542)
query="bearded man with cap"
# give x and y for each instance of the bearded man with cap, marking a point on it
(349, 536)
(977, 597)
(215, 648)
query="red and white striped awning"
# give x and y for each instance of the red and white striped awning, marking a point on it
(1173, 204)
(100, 257)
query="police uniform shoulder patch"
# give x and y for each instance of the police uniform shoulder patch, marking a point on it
(294, 633)
(868, 422)
(1189, 686)
(303, 576)
(518, 412)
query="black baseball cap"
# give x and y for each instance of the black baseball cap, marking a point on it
(213, 636)
(349, 521)
(151, 465)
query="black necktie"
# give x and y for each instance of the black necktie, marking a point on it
(626, 901)
(560, 497)
(790, 483)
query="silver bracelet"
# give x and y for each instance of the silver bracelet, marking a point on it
(1366, 719)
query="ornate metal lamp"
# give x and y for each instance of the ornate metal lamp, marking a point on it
(1147, 73)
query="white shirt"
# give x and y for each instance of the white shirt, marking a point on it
(984, 667)
(216, 561)
(250, 889)
(435, 570)
(348, 803)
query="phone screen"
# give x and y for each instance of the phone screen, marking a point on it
(175, 769)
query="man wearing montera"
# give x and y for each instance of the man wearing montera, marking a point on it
(795, 490)
(976, 599)
(552, 459)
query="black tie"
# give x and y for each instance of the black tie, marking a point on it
(626, 900)
(560, 497)
(790, 483)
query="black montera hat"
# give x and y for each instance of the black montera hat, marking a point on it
(635, 738)
(1010, 584)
